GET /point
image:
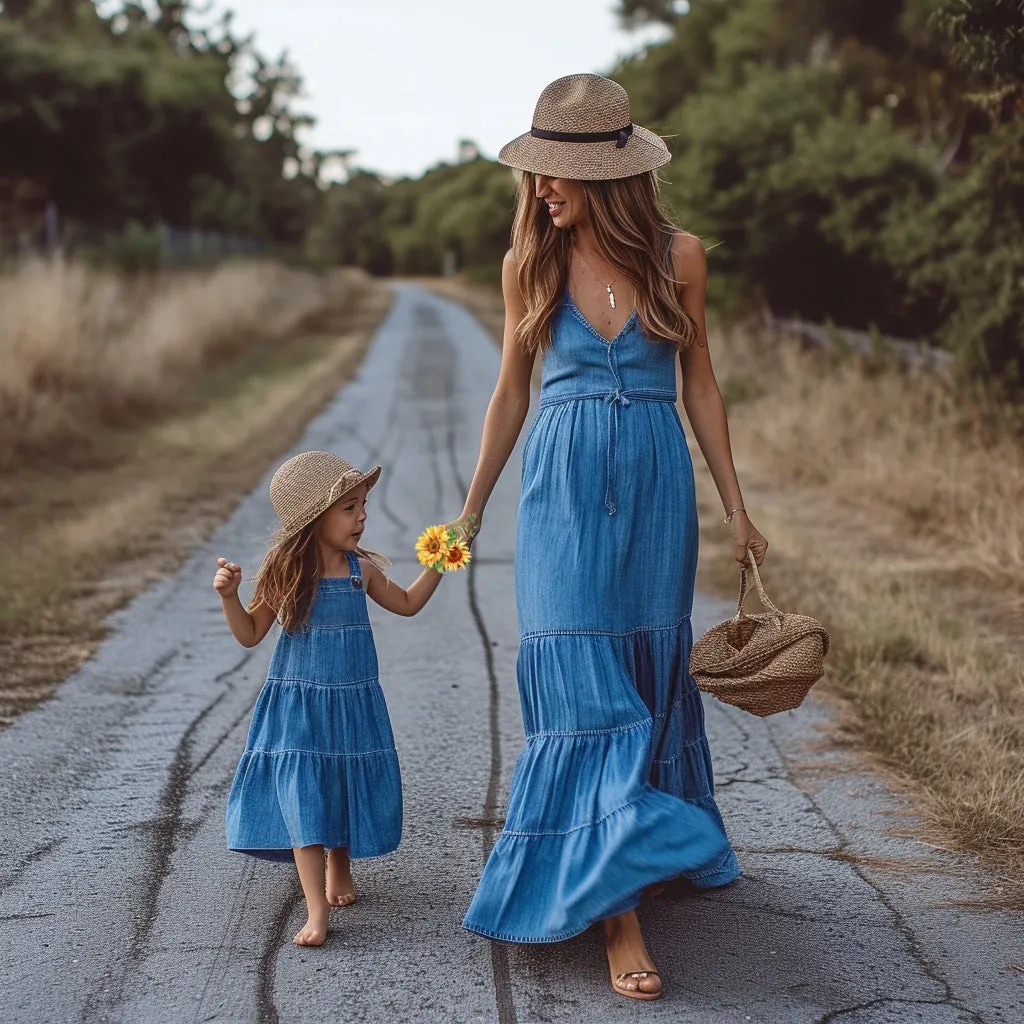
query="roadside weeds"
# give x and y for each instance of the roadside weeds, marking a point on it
(85, 526)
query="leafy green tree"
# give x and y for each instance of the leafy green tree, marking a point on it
(114, 128)
(790, 182)
(987, 36)
(461, 212)
(965, 250)
(851, 160)
(350, 229)
(660, 77)
(153, 112)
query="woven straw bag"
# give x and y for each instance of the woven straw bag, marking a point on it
(762, 663)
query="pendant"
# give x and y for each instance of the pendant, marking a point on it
(611, 296)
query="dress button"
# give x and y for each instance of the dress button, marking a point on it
(357, 582)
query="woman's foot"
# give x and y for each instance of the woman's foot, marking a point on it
(314, 931)
(340, 890)
(632, 971)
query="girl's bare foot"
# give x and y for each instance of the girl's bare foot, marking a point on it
(309, 860)
(340, 890)
(314, 931)
(632, 971)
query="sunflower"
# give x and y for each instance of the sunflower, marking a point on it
(457, 557)
(432, 546)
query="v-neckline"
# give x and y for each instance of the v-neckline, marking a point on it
(593, 330)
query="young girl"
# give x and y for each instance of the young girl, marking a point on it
(319, 772)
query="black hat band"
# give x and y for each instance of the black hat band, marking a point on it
(619, 137)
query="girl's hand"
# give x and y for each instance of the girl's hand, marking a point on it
(227, 578)
(746, 535)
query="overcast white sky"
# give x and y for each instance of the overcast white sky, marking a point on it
(401, 81)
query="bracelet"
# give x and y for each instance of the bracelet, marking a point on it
(732, 512)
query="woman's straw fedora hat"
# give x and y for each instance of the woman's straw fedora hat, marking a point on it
(582, 130)
(309, 483)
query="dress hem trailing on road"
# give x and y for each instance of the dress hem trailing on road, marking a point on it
(596, 818)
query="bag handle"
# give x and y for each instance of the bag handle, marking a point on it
(765, 599)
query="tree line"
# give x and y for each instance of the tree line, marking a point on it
(848, 161)
(136, 114)
(858, 160)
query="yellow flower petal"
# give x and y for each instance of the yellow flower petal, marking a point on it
(432, 545)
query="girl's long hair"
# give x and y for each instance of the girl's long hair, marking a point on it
(286, 582)
(634, 233)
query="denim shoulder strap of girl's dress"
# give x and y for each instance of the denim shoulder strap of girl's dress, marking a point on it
(355, 576)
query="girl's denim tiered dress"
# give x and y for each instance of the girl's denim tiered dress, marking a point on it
(320, 765)
(613, 790)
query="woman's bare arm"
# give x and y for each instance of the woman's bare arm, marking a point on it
(509, 403)
(702, 397)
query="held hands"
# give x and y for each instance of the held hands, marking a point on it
(746, 535)
(227, 578)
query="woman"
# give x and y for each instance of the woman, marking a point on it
(613, 791)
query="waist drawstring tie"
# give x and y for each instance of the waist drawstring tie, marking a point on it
(615, 400)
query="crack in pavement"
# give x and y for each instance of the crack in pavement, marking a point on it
(230, 926)
(165, 833)
(30, 858)
(137, 685)
(266, 970)
(872, 1003)
(227, 677)
(500, 968)
(927, 967)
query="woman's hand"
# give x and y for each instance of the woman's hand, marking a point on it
(746, 535)
(227, 578)
(466, 528)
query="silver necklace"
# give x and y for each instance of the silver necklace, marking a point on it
(608, 287)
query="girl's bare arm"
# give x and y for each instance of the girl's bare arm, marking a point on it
(248, 629)
(394, 598)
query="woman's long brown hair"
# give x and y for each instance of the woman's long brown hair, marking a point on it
(634, 233)
(286, 582)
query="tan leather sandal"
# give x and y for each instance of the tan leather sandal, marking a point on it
(636, 993)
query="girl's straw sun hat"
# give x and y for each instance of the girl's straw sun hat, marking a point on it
(582, 130)
(309, 483)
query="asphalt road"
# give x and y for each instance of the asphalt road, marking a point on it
(119, 902)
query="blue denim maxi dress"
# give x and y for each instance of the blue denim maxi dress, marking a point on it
(613, 790)
(320, 765)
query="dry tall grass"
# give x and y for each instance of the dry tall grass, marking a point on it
(896, 514)
(134, 418)
(80, 348)
(898, 443)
